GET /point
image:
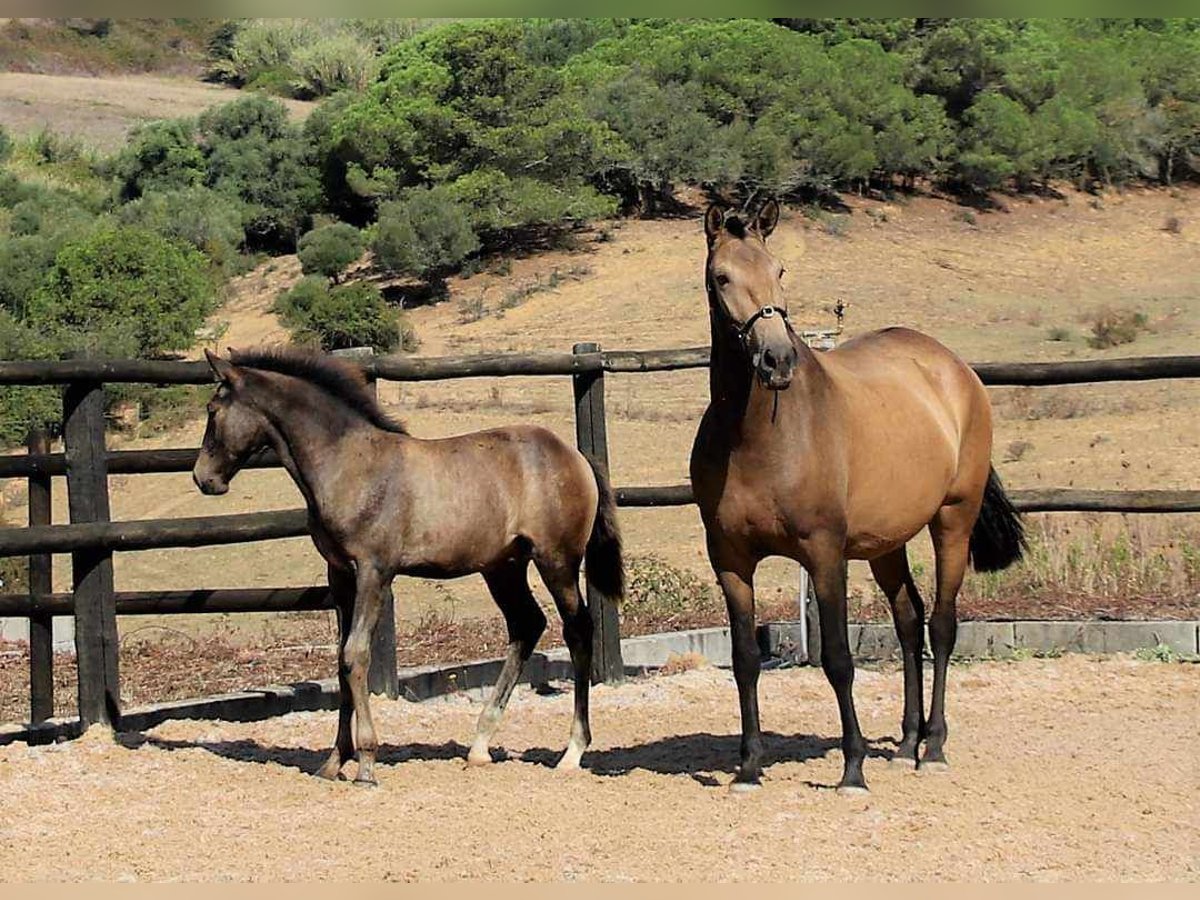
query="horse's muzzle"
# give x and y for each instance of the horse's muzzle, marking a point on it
(211, 485)
(774, 370)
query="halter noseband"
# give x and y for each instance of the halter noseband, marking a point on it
(766, 312)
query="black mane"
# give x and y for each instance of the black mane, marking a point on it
(342, 380)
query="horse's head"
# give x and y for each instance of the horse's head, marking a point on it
(236, 429)
(745, 290)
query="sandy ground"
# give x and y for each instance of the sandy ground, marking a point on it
(102, 110)
(1064, 769)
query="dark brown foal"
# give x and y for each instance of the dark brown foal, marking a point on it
(824, 457)
(382, 503)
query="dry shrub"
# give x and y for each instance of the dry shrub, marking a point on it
(678, 663)
(1034, 403)
(1173, 225)
(1016, 450)
(1112, 327)
(1097, 565)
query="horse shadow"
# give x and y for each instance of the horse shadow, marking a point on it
(698, 756)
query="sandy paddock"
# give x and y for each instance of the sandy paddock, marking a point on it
(1069, 768)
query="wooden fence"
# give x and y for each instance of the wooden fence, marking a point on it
(91, 538)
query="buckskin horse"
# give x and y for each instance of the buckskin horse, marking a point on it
(382, 502)
(846, 454)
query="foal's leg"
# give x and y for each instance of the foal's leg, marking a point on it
(341, 585)
(894, 578)
(369, 586)
(735, 574)
(526, 622)
(951, 532)
(562, 580)
(829, 581)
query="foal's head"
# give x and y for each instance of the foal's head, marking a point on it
(235, 430)
(745, 290)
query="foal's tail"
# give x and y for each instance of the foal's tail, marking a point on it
(605, 570)
(998, 538)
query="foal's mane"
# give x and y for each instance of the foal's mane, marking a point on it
(341, 380)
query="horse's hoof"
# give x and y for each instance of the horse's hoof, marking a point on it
(744, 787)
(908, 763)
(934, 767)
(366, 782)
(852, 790)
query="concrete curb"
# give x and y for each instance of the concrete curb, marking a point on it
(777, 640)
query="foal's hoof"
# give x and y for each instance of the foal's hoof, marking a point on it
(479, 757)
(366, 783)
(745, 787)
(934, 767)
(907, 763)
(852, 790)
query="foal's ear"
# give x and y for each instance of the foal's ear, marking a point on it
(714, 219)
(767, 218)
(225, 371)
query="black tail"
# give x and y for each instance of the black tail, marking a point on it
(998, 538)
(605, 569)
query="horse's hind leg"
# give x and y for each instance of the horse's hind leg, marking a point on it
(951, 532)
(562, 580)
(341, 585)
(526, 622)
(356, 659)
(892, 573)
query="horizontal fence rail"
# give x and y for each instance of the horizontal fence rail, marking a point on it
(436, 368)
(156, 603)
(203, 531)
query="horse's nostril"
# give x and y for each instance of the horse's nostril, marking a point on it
(769, 359)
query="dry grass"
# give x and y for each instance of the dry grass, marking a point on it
(1113, 327)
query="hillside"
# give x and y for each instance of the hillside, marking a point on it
(997, 288)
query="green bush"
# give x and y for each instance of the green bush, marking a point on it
(124, 290)
(254, 153)
(425, 232)
(162, 156)
(6, 145)
(22, 407)
(349, 315)
(328, 250)
(334, 63)
(209, 221)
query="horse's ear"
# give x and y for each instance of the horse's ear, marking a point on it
(225, 371)
(767, 218)
(714, 219)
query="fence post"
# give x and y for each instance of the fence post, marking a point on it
(382, 677)
(41, 625)
(96, 647)
(591, 436)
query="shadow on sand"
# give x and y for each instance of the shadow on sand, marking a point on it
(695, 755)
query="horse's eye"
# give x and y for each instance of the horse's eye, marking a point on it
(722, 279)
(781, 274)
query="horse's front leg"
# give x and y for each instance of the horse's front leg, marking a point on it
(829, 581)
(342, 587)
(736, 577)
(368, 600)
